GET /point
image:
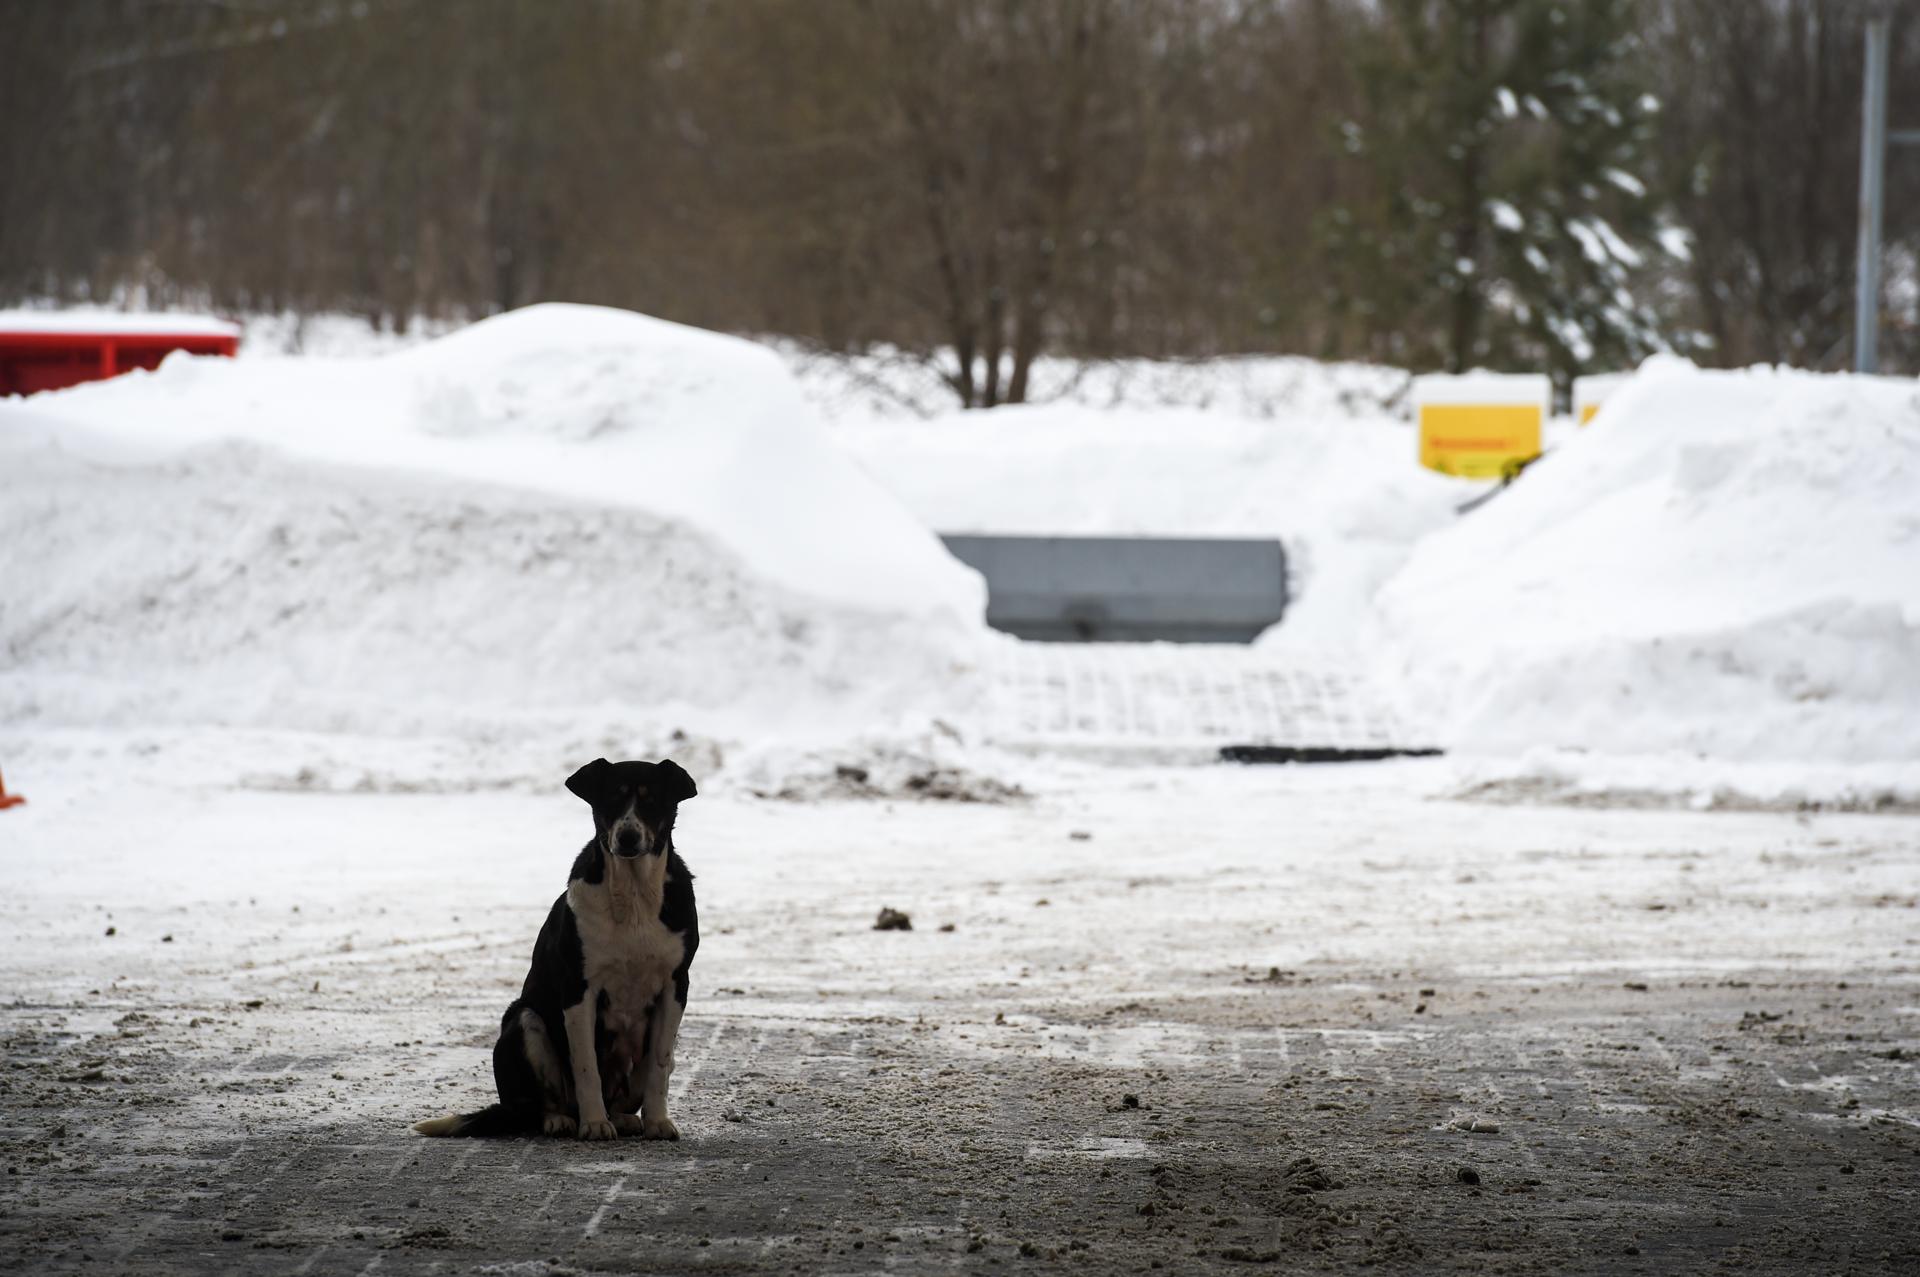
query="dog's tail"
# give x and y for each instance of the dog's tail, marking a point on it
(493, 1120)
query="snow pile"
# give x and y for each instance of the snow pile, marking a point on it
(564, 516)
(1723, 563)
(1674, 780)
(1341, 490)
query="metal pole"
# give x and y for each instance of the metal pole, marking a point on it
(1873, 155)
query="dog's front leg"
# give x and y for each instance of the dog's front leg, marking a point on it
(586, 1068)
(658, 1067)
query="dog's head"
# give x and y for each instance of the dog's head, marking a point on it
(633, 803)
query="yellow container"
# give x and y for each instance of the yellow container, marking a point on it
(1591, 391)
(1478, 441)
(1480, 425)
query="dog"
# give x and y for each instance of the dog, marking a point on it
(589, 1041)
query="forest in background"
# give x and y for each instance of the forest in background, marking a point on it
(1519, 184)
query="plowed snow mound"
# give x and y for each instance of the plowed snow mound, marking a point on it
(581, 401)
(558, 517)
(1723, 562)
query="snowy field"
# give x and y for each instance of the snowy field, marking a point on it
(1695, 1034)
(297, 649)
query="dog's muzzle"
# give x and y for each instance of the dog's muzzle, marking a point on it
(630, 838)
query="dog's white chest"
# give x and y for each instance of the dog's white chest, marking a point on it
(629, 958)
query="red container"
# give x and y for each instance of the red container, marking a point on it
(45, 350)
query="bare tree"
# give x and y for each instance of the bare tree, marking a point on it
(974, 183)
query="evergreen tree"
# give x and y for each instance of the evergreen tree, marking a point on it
(1505, 217)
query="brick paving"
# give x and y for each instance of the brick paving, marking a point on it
(1187, 698)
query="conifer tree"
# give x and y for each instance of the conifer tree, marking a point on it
(1506, 214)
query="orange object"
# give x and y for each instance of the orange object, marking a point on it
(54, 349)
(8, 800)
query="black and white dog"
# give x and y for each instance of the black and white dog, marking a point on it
(590, 1040)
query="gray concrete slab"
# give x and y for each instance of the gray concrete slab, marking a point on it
(1128, 588)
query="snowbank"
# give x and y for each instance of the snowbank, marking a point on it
(559, 516)
(580, 401)
(1673, 780)
(1723, 563)
(1341, 489)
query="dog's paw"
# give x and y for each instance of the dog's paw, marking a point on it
(659, 1128)
(600, 1130)
(560, 1124)
(629, 1124)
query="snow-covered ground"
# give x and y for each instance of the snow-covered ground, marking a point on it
(1244, 866)
(1264, 1002)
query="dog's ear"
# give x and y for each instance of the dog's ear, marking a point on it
(589, 780)
(678, 783)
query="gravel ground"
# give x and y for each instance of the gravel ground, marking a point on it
(1186, 1020)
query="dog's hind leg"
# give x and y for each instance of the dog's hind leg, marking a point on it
(524, 1082)
(663, 1031)
(547, 1073)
